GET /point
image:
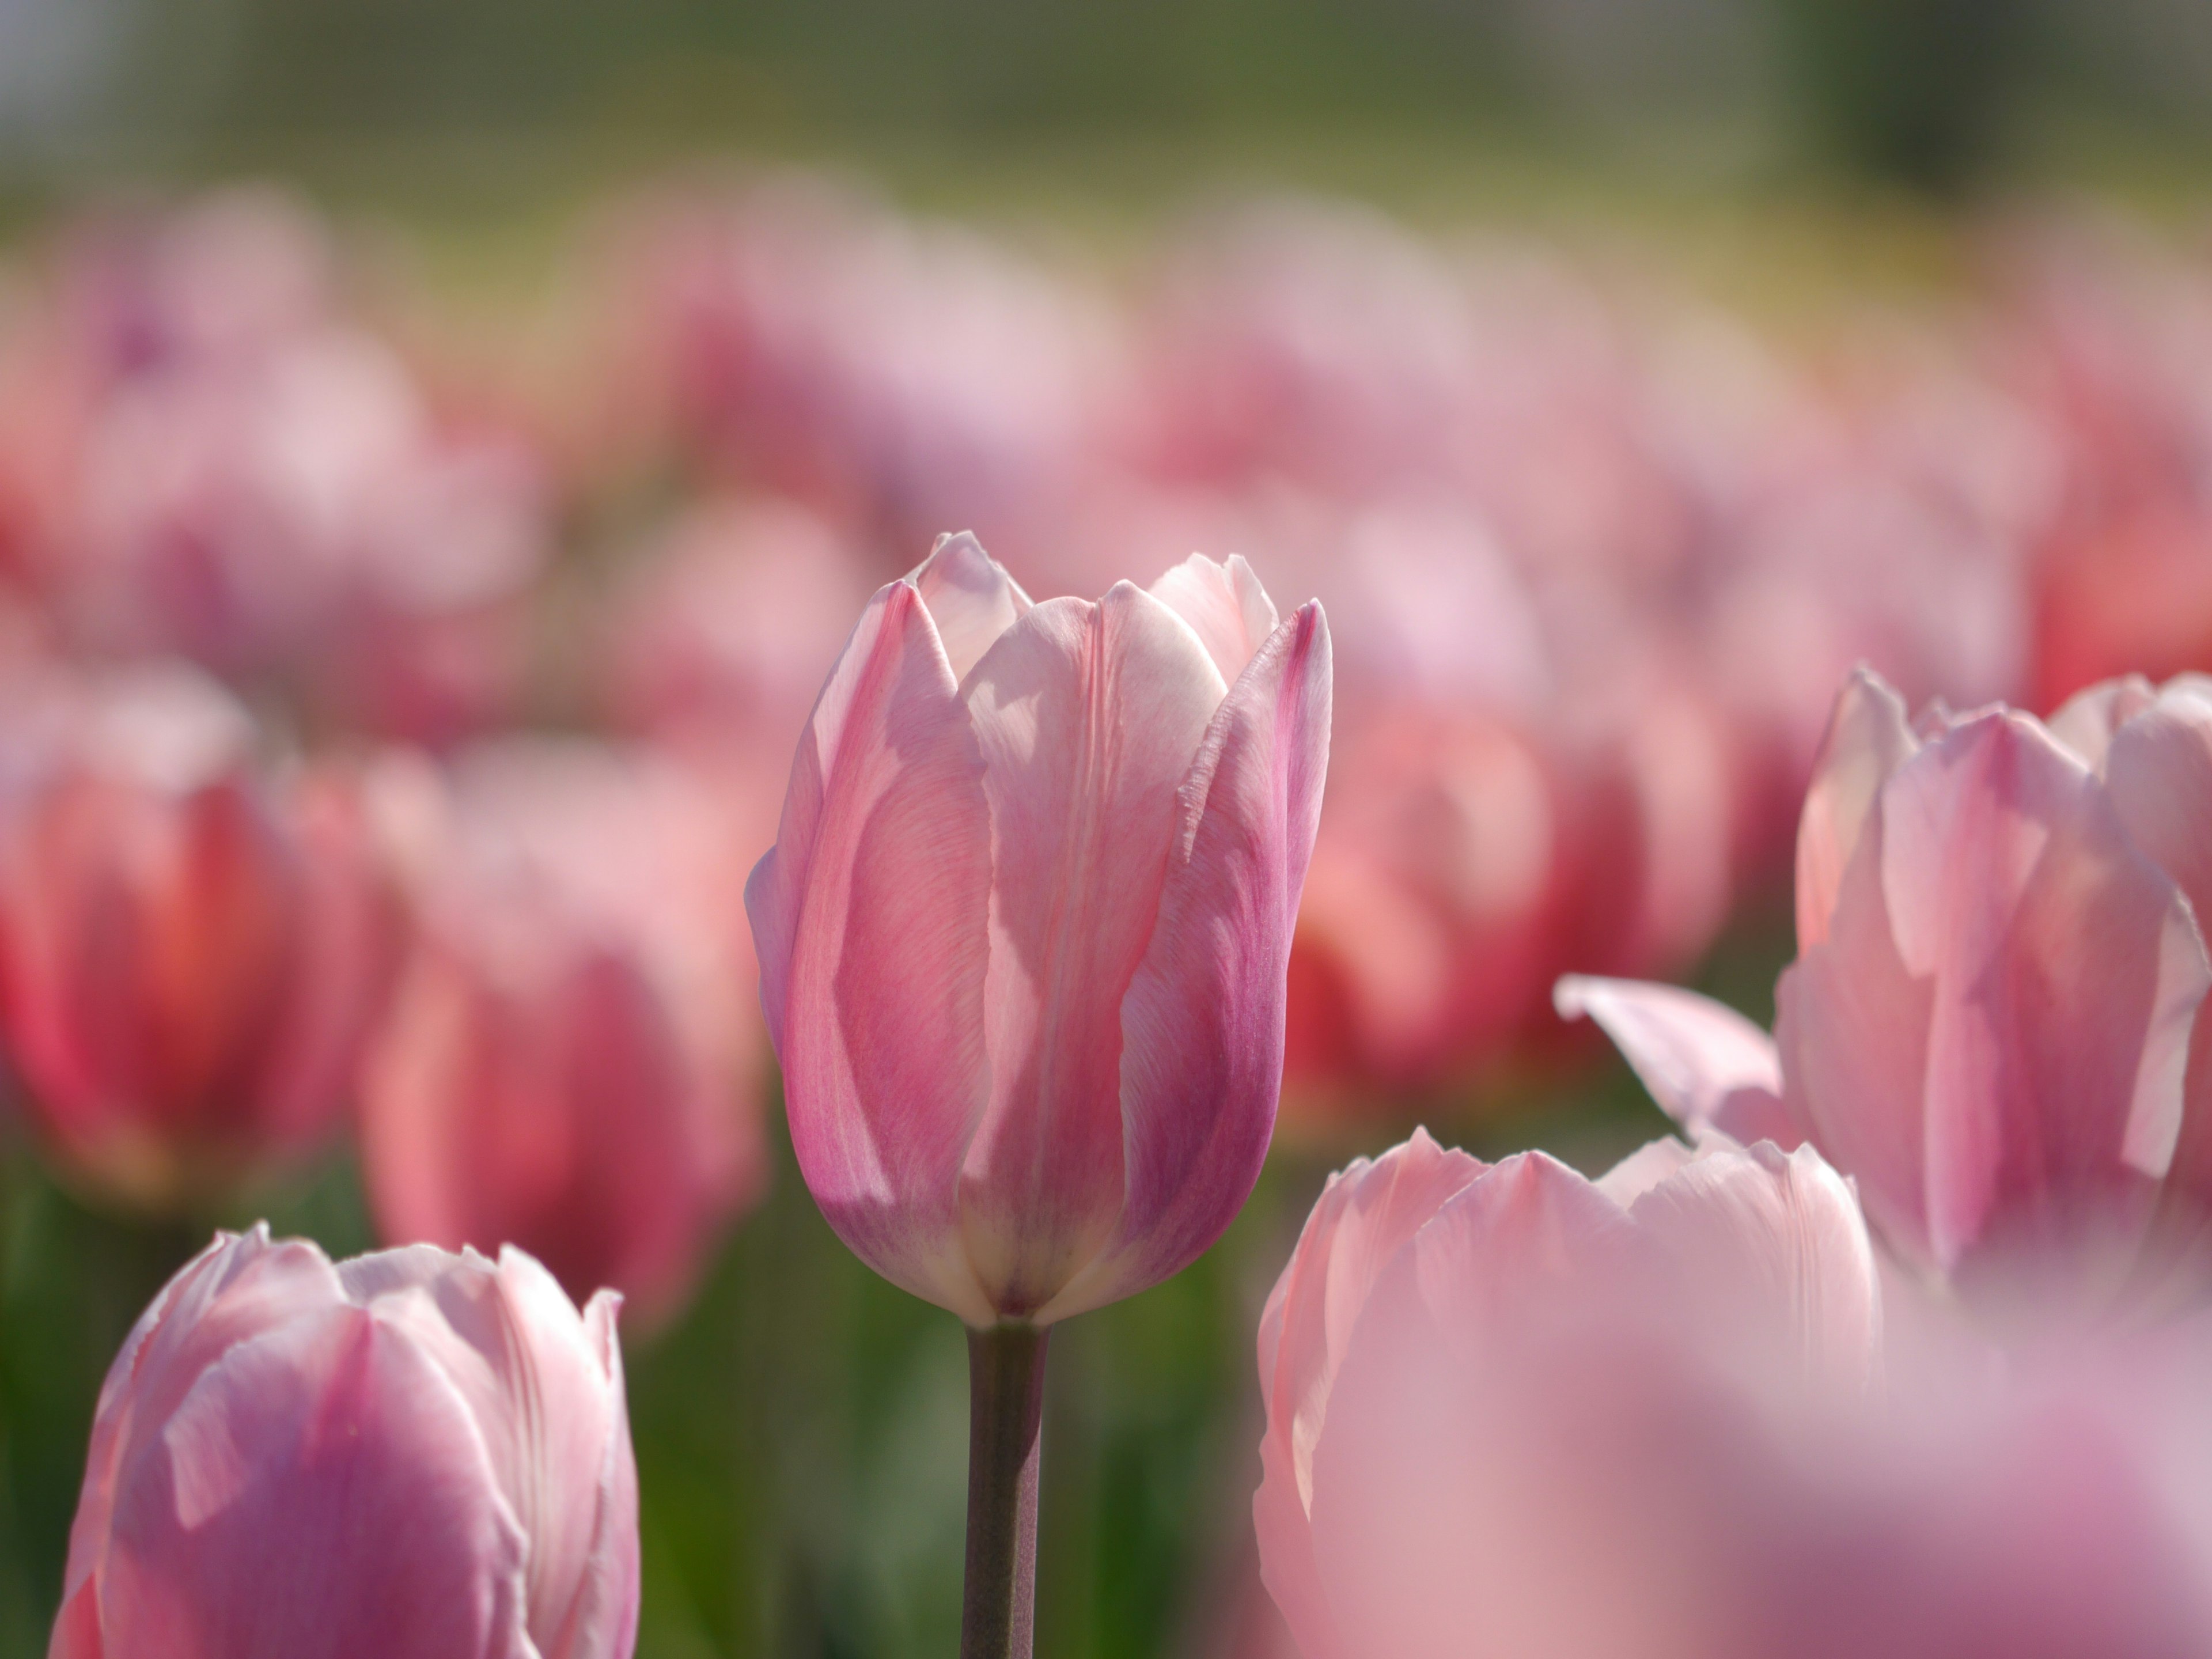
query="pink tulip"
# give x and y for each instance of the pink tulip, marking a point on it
(1513, 1412)
(572, 1061)
(1989, 1021)
(1023, 937)
(192, 950)
(410, 1453)
(1491, 1394)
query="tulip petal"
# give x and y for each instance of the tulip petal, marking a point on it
(536, 1381)
(1774, 1251)
(321, 1494)
(1706, 1064)
(1201, 1029)
(1088, 717)
(1869, 738)
(870, 916)
(970, 596)
(1225, 606)
(2088, 720)
(2158, 767)
(2065, 971)
(1367, 1213)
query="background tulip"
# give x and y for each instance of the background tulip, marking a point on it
(409, 1453)
(192, 947)
(572, 1061)
(1989, 1022)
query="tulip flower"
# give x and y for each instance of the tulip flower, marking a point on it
(1989, 1021)
(572, 1058)
(1483, 1385)
(1510, 1411)
(409, 1453)
(1023, 943)
(191, 949)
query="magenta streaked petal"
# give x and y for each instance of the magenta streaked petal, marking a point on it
(871, 917)
(1088, 717)
(1201, 1029)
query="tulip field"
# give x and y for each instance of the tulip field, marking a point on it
(837, 929)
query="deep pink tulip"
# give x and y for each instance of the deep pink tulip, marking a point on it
(571, 1061)
(410, 1453)
(1023, 937)
(191, 949)
(1490, 1392)
(1989, 1021)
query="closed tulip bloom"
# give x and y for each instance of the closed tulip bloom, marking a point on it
(1513, 1412)
(409, 1453)
(1491, 1394)
(1023, 937)
(1989, 1021)
(191, 947)
(572, 1062)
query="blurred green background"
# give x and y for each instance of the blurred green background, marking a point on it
(801, 1431)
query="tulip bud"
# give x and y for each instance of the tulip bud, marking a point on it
(1024, 934)
(191, 949)
(571, 1062)
(407, 1453)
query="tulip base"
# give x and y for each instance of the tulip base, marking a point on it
(1005, 1412)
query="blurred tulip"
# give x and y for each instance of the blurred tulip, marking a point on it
(887, 373)
(572, 1061)
(717, 640)
(1511, 1410)
(1484, 1388)
(1024, 934)
(408, 1453)
(192, 950)
(1989, 1021)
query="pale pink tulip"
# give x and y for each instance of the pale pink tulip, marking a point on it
(1493, 1394)
(573, 1061)
(1989, 1021)
(410, 1453)
(191, 948)
(1023, 937)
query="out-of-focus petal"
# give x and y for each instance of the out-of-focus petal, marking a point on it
(1869, 738)
(2063, 969)
(1706, 1064)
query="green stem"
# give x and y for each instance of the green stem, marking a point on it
(1005, 1408)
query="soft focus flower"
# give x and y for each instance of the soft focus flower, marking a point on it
(716, 640)
(191, 947)
(1491, 1393)
(890, 372)
(571, 1061)
(1023, 936)
(1989, 1021)
(1510, 1411)
(408, 1453)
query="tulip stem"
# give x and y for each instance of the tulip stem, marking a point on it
(1006, 1410)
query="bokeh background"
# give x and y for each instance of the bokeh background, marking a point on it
(1619, 371)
